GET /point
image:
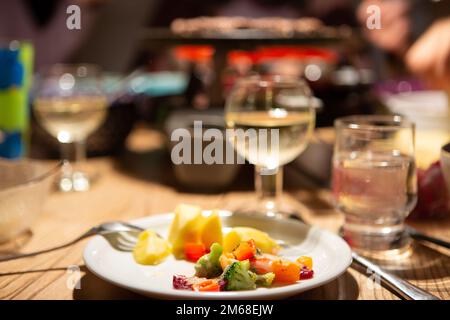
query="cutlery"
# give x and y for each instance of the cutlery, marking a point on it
(402, 287)
(416, 235)
(121, 235)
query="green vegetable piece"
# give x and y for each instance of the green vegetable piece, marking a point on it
(239, 277)
(265, 280)
(208, 266)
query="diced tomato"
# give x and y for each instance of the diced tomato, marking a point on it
(305, 261)
(207, 285)
(245, 250)
(193, 251)
(286, 271)
(261, 265)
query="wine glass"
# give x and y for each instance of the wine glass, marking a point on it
(70, 104)
(374, 182)
(271, 120)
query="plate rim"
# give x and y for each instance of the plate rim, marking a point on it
(269, 293)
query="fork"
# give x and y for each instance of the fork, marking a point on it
(121, 235)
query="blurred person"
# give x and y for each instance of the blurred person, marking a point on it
(108, 34)
(395, 22)
(416, 31)
(44, 24)
(429, 56)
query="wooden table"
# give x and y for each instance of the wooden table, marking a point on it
(139, 184)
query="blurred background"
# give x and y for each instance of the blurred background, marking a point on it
(163, 61)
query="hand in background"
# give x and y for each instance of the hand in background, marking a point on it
(395, 24)
(429, 56)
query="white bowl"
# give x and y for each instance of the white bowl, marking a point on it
(427, 109)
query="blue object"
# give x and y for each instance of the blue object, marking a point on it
(11, 145)
(11, 69)
(12, 103)
(159, 84)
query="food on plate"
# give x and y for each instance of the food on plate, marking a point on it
(239, 277)
(226, 259)
(245, 250)
(150, 248)
(265, 280)
(286, 271)
(305, 261)
(207, 285)
(190, 226)
(208, 266)
(245, 268)
(193, 251)
(262, 240)
(184, 228)
(211, 230)
(245, 260)
(181, 282)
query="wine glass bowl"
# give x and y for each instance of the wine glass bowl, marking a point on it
(272, 119)
(70, 104)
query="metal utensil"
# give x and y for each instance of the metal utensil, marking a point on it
(416, 235)
(122, 236)
(402, 287)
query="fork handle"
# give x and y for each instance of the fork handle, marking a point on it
(400, 286)
(35, 253)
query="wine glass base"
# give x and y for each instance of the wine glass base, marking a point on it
(77, 181)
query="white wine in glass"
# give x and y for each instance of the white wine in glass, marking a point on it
(269, 104)
(294, 130)
(71, 105)
(70, 119)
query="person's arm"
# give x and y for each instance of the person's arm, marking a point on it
(429, 56)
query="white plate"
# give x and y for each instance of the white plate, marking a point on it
(331, 256)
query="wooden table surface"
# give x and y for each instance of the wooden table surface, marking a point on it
(139, 184)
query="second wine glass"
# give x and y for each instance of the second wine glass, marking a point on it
(272, 119)
(70, 104)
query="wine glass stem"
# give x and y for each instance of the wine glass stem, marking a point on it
(268, 185)
(80, 151)
(65, 152)
(73, 154)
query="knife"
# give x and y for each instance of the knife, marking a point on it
(402, 287)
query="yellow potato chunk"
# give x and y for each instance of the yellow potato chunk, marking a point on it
(211, 230)
(262, 240)
(191, 226)
(185, 228)
(150, 249)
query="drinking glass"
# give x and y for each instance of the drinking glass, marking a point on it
(374, 181)
(271, 120)
(70, 104)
